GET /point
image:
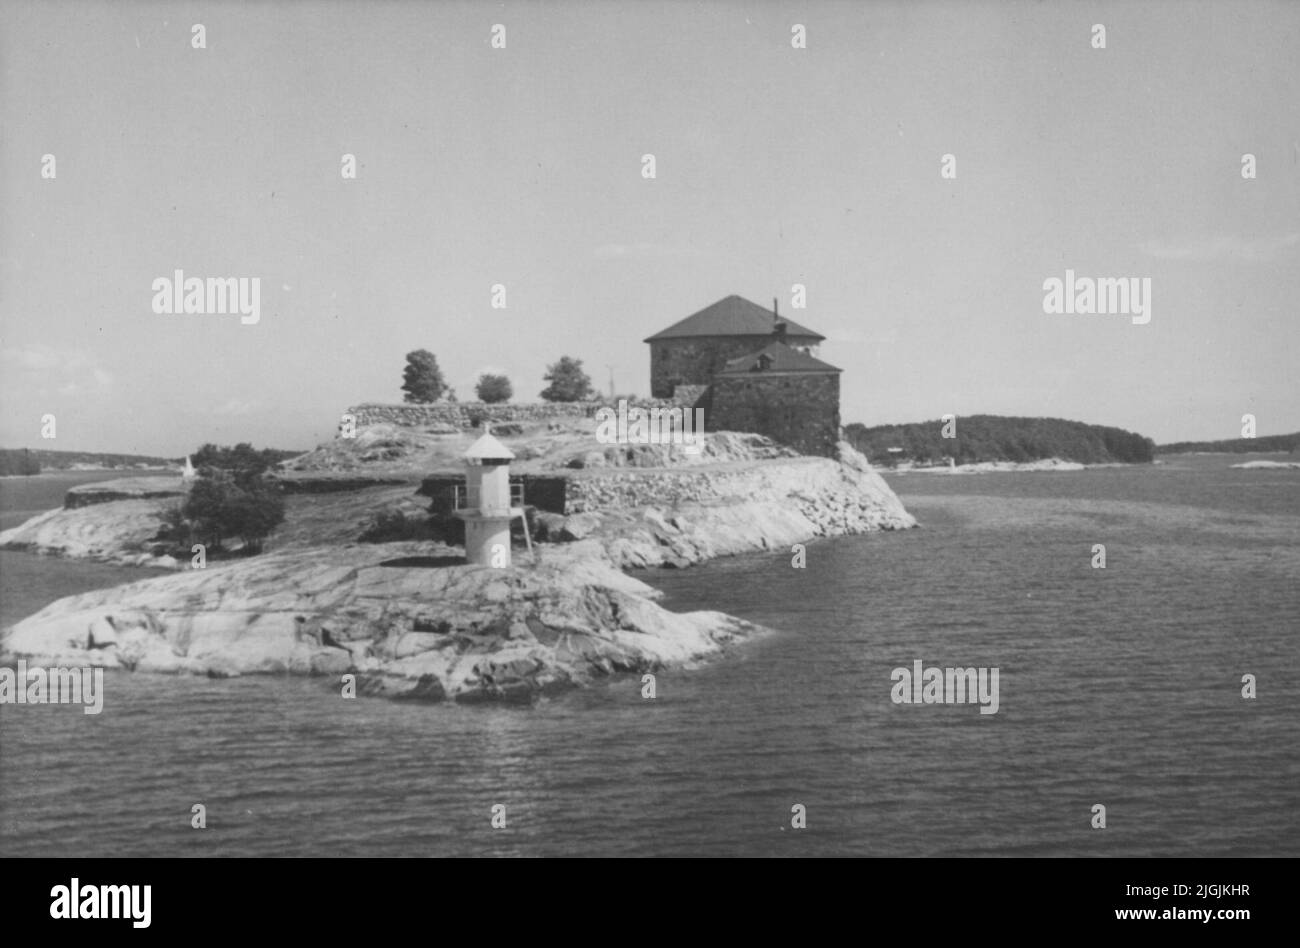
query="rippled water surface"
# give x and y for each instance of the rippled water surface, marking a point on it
(1118, 686)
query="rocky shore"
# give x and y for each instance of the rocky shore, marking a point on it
(125, 488)
(410, 619)
(1002, 467)
(119, 532)
(405, 623)
(774, 505)
(1267, 465)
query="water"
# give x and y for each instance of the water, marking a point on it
(25, 497)
(1118, 686)
(29, 583)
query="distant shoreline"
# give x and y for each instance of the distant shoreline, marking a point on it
(1048, 465)
(1178, 454)
(1002, 467)
(96, 470)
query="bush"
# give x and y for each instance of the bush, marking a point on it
(422, 379)
(243, 461)
(493, 388)
(219, 505)
(175, 533)
(389, 526)
(174, 525)
(568, 382)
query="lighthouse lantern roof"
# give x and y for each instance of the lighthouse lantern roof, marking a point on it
(488, 448)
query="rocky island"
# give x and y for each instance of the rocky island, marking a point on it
(403, 612)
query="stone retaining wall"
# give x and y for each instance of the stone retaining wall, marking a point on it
(471, 414)
(540, 491)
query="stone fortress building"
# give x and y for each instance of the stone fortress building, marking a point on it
(747, 367)
(750, 370)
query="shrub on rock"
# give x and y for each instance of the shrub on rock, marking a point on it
(220, 506)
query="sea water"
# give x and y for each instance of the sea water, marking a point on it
(1119, 686)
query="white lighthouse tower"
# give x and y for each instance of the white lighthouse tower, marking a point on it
(486, 506)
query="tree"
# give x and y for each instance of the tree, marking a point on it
(423, 380)
(256, 510)
(175, 528)
(493, 388)
(568, 382)
(206, 503)
(220, 505)
(243, 461)
(19, 461)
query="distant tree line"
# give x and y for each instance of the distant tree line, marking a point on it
(1268, 443)
(981, 438)
(35, 460)
(18, 461)
(242, 459)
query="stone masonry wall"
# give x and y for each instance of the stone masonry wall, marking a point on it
(540, 491)
(799, 410)
(695, 360)
(466, 415)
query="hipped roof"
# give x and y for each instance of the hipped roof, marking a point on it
(488, 448)
(783, 359)
(733, 316)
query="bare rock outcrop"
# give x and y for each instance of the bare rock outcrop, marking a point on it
(677, 519)
(406, 627)
(117, 531)
(409, 624)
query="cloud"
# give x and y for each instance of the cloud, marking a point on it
(1220, 247)
(70, 371)
(619, 251)
(235, 407)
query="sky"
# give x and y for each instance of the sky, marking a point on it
(522, 166)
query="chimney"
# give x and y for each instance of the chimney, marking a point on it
(775, 313)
